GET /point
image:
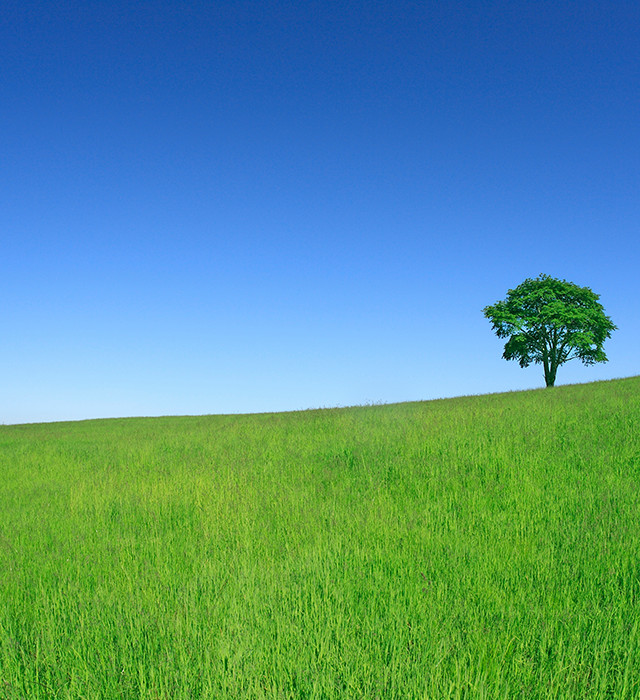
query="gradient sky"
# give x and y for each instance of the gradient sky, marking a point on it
(221, 207)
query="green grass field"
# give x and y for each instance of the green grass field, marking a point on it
(480, 547)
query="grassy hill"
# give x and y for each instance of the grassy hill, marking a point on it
(479, 547)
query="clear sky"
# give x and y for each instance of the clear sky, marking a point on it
(222, 207)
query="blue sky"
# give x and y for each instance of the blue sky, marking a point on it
(221, 207)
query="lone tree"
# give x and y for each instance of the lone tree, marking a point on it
(549, 321)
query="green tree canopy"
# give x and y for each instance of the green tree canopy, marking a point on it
(550, 321)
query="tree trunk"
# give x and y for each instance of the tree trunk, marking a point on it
(546, 368)
(550, 375)
(551, 361)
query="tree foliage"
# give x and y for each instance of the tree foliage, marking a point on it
(550, 321)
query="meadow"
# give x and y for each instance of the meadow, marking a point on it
(478, 547)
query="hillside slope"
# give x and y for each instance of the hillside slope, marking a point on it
(483, 546)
